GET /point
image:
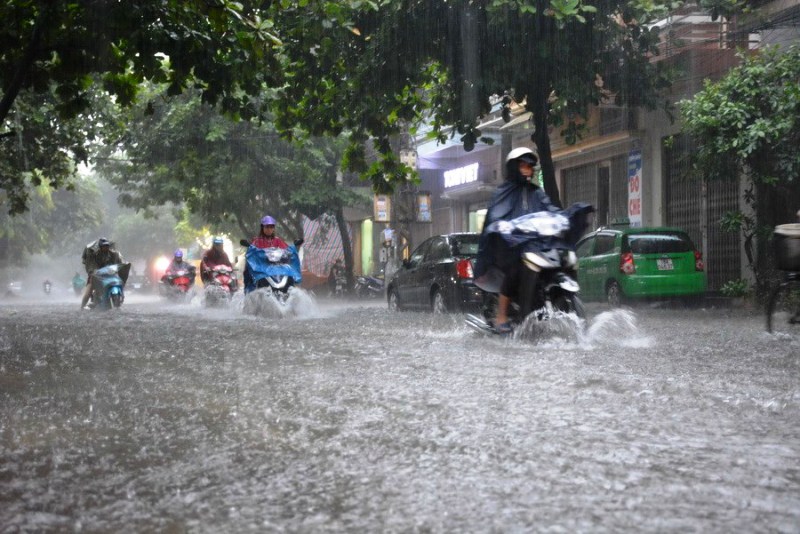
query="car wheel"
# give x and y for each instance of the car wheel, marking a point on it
(438, 304)
(614, 294)
(394, 301)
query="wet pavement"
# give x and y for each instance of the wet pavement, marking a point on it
(346, 417)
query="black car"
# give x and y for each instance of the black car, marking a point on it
(438, 276)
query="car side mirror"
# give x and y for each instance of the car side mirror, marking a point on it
(244, 242)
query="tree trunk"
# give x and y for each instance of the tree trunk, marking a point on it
(542, 140)
(346, 246)
(539, 95)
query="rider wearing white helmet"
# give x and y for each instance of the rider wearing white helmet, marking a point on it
(497, 270)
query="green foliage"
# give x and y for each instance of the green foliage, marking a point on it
(750, 118)
(750, 121)
(441, 61)
(368, 71)
(54, 221)
(56, 55)
(229, 173)
(43, 149)
(735, 288)
(723, 8)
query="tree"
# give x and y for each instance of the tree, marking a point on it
(229, 173)
(441, 61)
(749, 121)
(44, 147)
(53, 218)
(360, 68)
(64, 50)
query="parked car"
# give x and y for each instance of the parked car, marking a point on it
(637, 263)
(438, 276)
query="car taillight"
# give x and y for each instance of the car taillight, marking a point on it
(626, 264)
(464, 269)
(698, 261)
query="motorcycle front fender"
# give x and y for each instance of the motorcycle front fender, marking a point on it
(568, 284)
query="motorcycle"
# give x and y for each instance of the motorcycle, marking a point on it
(274, 268)
(178, 284)
(542, 244)
(221, 285)
(107, 285)
(47, 286)
(369, 287)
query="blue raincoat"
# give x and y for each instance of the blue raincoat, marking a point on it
(258, 267)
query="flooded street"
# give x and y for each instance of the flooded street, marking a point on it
(159, 417)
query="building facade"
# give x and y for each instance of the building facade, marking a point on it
(630, 164)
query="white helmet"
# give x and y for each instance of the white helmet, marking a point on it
(524, 154)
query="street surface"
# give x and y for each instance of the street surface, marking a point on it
(348, 418)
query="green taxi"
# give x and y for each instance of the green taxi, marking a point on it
(637, 263)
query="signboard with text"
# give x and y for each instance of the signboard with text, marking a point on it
(382, 208)
(460, 176)
(423, 206)
(635, 187)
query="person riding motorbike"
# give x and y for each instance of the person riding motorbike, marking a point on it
(213, 257)
(96, 255)
(177, 264)
(266, 237)
(497, 267)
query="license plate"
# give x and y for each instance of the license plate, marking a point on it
(664, 264)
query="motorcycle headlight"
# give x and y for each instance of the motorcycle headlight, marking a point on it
(275, 255)
(545, 224)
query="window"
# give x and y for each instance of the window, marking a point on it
(418, 254)
(585, 247)
(605, 244)
(661, 243)
(466, 245)
(438, 250)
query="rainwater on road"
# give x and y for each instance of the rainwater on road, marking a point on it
(345, 417)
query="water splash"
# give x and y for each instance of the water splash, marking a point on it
(616, 328)
(265, 303)
(560, 328)
(215, 297)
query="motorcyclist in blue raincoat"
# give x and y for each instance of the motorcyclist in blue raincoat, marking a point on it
(497, 266)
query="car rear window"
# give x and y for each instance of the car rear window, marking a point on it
(659, 243)
(466, 245)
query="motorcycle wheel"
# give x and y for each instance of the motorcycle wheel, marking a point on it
(569, 303)
(116, 300)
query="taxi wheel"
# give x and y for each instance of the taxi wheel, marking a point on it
(438, 304)
(614, 294)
